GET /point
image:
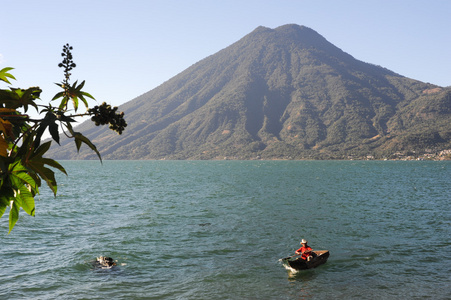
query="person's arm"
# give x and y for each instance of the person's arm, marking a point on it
(307, 250)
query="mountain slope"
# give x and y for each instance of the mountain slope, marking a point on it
(277, 93)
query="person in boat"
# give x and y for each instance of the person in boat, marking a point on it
(305, 251)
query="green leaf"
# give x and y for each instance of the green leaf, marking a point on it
(88, 95)
(75, 102)
(5, 200)
(2, 207)
(36, 163)
(27, 143)
(63, 103)
(58, 95)
(18, 174)
(48, 121)
(53, 129)
(27, 200)
(79, 138)
(80, 86)
(21, 177)
(54, 164)
(41, 150)
(45, 173)
(16, 98)
(84, 100)
(13, 215)
(38, 156)
(26, 97)
(75, 93)
(4, 75)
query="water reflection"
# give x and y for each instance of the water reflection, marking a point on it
(304, 275)
(302, 283)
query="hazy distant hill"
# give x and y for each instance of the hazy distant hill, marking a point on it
(277, 93)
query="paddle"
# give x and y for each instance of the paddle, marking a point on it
(282, 259)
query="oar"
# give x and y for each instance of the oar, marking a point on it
(282, 259)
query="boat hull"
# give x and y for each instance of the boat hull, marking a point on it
(301, 264)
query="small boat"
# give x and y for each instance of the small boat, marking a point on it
(320, 257)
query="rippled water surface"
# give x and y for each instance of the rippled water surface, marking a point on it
(215, 230)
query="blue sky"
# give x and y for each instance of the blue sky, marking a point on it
(126, 48)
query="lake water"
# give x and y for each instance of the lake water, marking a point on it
(216, 229)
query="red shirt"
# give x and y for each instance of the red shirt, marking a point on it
(303, 249)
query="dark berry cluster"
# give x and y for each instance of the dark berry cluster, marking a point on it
(105, 114)
(68, 61)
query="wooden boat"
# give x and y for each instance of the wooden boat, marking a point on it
(320, 257)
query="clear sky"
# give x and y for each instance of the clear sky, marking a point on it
(126, 48)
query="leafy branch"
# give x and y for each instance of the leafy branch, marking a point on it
(23, 165)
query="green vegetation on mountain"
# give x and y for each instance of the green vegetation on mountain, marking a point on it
(284, 93)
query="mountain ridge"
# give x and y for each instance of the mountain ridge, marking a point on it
(275, 93)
